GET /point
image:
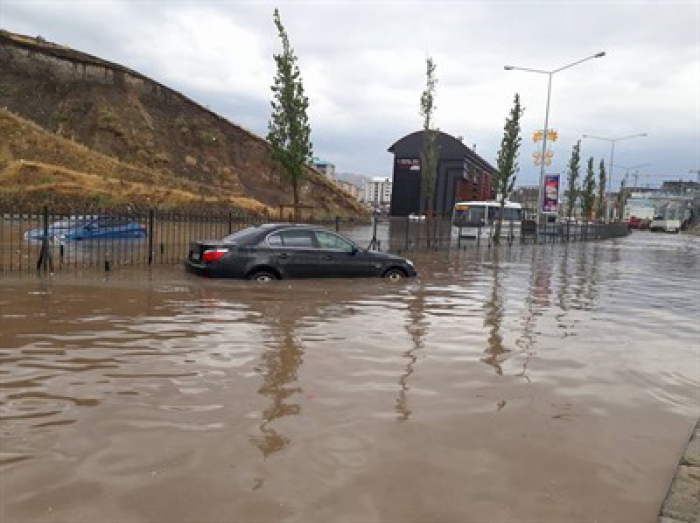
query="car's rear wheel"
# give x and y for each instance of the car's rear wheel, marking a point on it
(263, 276)
(394, 274)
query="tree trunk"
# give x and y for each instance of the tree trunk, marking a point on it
(428, 222)
(295, 191)
(497, 231)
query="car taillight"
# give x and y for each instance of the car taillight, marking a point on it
(213, 255)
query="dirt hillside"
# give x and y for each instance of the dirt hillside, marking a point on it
(159, 136)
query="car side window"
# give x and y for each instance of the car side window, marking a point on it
(299, 239)
(274, 240)
(327, 240)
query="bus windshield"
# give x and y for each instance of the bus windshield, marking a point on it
(469, 215)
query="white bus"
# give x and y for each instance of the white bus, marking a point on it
(478, 219)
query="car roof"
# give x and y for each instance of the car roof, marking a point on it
(285, 225)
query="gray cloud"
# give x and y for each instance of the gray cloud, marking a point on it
(363, 67)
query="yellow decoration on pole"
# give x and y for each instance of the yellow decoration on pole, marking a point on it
(552, 136)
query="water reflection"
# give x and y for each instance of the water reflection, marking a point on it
(493, 319)
(279, 366)
(417, 329)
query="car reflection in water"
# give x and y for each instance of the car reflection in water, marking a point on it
(279, 251)
(81, 228)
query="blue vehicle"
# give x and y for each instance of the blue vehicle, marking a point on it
(79, 228)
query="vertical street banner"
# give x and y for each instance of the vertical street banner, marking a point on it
(550, 202)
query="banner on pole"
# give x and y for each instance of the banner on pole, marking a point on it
(550, 202)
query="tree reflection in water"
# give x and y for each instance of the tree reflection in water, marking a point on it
(417, 328)
(279, 367)
(493, 319)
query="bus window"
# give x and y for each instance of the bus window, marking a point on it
(465, 215)
(512, 214)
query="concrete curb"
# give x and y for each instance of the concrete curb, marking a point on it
(682, 503)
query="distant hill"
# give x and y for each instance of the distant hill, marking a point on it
(133, 130)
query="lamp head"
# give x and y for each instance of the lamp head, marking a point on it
(508, 67)
(600, 55)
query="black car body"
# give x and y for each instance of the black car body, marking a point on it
(280, 251)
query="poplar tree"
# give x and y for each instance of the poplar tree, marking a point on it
(602, 178)
(572, 179)
(289, 132)
(588, 191)
(429, 155)
(503, 180)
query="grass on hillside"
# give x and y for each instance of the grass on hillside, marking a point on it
(38, 166)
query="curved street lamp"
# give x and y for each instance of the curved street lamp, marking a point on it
(546, 116)
(612, 153)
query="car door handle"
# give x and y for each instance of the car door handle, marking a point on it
(283, 256)
(327, 257)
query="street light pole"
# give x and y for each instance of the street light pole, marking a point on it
(612, 155)
(540, 194)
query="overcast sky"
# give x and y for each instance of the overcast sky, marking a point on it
(363, 67)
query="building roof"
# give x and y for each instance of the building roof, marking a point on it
(450, 148)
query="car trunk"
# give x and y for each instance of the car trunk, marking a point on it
(197, 249)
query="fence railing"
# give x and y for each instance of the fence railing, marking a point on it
(42, 240)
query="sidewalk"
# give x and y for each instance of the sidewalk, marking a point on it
(682, 504)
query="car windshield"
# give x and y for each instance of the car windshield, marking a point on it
(70, 223)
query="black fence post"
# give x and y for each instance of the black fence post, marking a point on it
(151, 218)
(44, 262)
(337, 224)
(408, 226)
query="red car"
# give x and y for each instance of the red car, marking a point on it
(635, 223)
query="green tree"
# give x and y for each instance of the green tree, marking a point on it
(289, 132)
(588, 191)
(429, 155)
(507, 163)
(601, 202)
(572, 179)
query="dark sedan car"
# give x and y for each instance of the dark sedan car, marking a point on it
(276, 251)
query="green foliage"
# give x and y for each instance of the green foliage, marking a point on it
(429, 155)
(288, 130)
(503, 180)
(601, 201)
(588, 191)
(572, 179)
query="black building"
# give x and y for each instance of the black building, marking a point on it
(461, 175)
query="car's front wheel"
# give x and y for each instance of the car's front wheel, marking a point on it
(394, 274)
(263, 276)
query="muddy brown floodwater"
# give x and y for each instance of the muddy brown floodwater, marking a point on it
(547, 383)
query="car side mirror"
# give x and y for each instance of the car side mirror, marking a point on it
(354, 250)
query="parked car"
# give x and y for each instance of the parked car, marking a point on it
(276, 251)
(662, 224)
(78, 228)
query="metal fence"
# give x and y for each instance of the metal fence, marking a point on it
(60, 241)
(406, 235)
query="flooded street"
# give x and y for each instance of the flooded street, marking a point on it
(537, 383)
